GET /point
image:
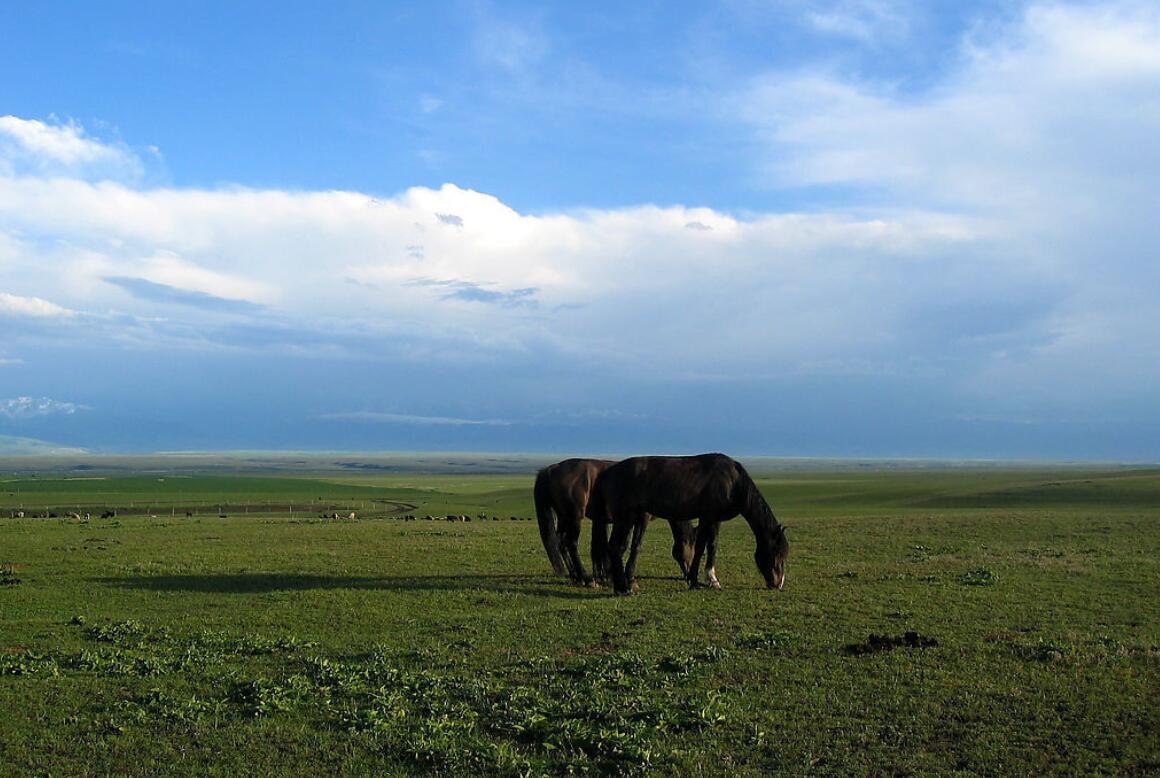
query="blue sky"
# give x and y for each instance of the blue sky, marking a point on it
(848, 228)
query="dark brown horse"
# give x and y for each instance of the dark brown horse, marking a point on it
(711, 487)
(562, 490)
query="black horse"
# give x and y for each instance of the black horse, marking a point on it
(711, 487)
(562, 490)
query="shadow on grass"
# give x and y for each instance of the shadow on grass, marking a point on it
(259, 583)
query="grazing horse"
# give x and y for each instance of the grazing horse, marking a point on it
(711, 487)
(563, 490)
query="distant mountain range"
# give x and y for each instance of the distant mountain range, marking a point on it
(13, 446)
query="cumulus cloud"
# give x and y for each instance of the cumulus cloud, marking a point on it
(597, 282)
(1008, 247)
(32, 407)
(34, 147)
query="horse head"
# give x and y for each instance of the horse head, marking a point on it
(772, 549)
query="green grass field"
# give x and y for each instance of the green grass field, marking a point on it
(271, 643)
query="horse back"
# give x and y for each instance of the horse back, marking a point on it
(570, 482)
(676, 488)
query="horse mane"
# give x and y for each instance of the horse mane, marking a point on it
(757, 511)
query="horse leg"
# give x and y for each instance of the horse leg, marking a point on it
(569, 536)
(569, 565)
(616, 543)
(684, 539)
(703, 531)
(638, 528)
(711, 557)
(563, 531)
(599, 550)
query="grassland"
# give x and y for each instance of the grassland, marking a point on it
(266, 643)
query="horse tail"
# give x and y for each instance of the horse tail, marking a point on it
(545, 516)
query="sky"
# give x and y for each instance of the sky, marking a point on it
(848, 228)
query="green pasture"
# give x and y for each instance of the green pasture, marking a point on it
(934, 622)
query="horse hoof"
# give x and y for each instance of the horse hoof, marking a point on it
(696, 585)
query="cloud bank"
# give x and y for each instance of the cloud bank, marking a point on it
(995, 244)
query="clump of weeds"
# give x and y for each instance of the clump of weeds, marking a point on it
(980, 576)
(8, 575)
(1045, 650)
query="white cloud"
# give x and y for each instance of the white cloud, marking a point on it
(1045, 132)
(512, 45)
(32, 407)
(13, 305)
(1037, 112)
(376, 417)
(1011, 249)
(490, 275)
(30, 146)
(863, 20)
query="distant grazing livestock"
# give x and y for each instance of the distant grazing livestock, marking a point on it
(563, 490)
(711, 487)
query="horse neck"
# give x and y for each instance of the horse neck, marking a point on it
(757, 511)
